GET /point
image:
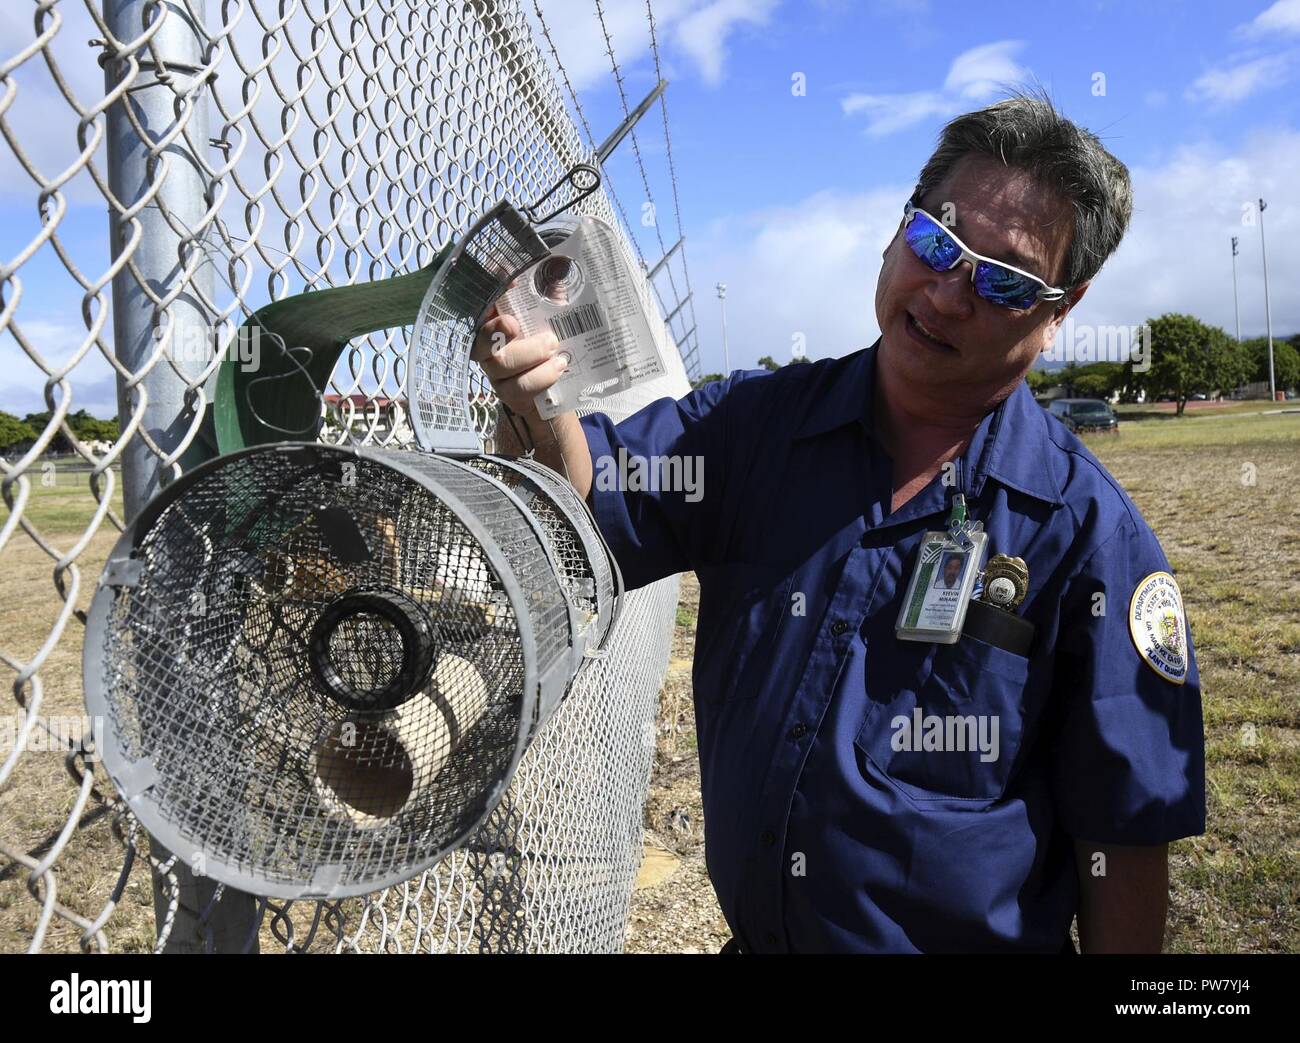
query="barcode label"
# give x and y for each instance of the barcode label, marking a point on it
(581, 319)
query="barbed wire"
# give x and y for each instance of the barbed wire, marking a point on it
(672, 174)
(691, 358)
(591, 140)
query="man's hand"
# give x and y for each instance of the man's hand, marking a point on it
(1123, 897)
(519, 369)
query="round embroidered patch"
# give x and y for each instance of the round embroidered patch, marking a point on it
(1159, 626)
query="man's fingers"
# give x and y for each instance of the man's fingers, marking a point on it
(519, 391)
(519, 368)
(517, 356)
(494, 333)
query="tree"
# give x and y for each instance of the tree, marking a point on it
(766, 362)
(1229, 365)
(1039, 380)
(1286, 364)
(1188, 356)
(86, 427)
(1067, 377)
(1097, 380)
(14, 431)
(89, 428)
(1286, 361)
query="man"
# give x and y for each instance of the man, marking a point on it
(823, 831)
(952, 569)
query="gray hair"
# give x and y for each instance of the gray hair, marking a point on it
(1026, 132)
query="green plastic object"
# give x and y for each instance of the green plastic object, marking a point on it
(275, 400)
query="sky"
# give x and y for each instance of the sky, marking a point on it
(797, 130)
(789, 198)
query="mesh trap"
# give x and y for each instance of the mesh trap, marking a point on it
(318, 667)
(499, 245)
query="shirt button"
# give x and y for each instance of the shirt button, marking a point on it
(839, 626)
(768, 838)
(771, 938)
(799, 731)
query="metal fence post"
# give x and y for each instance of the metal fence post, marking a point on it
(163, 93)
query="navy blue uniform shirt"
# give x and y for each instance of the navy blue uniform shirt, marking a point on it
(821, 833)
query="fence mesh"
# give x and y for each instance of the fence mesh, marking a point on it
(246, 151)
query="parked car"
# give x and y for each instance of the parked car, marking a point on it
(1085, 414)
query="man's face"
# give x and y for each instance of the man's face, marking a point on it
(986, 348)
(951, 572)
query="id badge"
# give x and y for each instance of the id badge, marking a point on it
(940, 589)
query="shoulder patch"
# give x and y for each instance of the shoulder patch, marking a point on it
(1158, 624)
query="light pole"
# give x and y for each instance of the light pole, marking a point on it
(1268, 314)
(726, 355)
(1236, 311)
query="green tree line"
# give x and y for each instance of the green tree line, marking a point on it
(766, 362)
(1186, 357)
(87, 428)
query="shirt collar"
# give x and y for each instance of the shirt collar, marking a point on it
(1019, 452)
(1012, 445)
(846, 397)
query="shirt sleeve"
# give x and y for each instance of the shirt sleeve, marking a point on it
(657, 480)
(1129, 755)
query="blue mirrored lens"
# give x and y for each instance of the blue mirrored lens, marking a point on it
(1003, 286)
(931, 243)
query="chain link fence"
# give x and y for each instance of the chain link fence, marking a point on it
(244, 151)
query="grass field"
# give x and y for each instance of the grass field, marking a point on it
(1220, 492)
(1218, 488)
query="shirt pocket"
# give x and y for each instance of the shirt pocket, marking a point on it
(742, 611)
(947, 733)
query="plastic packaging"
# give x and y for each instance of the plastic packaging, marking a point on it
(598, 303)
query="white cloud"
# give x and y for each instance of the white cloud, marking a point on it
(1233, 83)
(22, 382)
(974, 75)
(703, 33)
(1177, 255)
(811, 267)
(1282, 17)
(698, 29)
(40, 117)
(887, 113)
(978, 73)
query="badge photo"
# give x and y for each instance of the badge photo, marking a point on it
(1158, 625)
(934, 607)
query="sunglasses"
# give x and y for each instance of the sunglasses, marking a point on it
(941, 251)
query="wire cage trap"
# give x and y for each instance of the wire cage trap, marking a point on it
(319, 666)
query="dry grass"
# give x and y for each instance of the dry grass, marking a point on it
(1221, 494)
(36, 801)
(680, 913)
